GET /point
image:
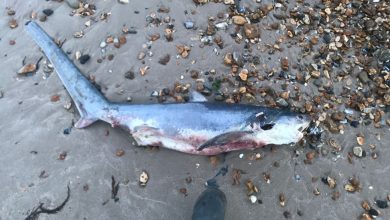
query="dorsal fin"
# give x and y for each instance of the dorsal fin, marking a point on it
(197, 97)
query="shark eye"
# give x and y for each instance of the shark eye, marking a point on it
(267, 126)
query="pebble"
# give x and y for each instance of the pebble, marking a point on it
(129, 75)
(13, 24)
(28, 68)
(363, 77)
(103, 44)
(73, 3)
(358, 151)
(382, 204)
(281, 102)
(327, 38)
(338, 116)
(189, 24)
(221, 25)
(251, 31)
(354, 124)
(141, 55)
(47, 12)
(253, 199)
(239, 20)
(229, 2)
(11, 12)
(164, 60)
(84, 58)
(154, 94)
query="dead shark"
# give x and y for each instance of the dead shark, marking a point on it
(197, 127)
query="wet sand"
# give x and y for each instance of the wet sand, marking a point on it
(32, 137)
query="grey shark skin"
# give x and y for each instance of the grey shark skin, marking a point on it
(196, 127)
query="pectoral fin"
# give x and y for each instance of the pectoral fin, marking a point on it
(225, 138)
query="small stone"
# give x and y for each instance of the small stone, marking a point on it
(183, 191)
(219, 26)
(28, 68)
(327, 38)
(253, 199)
(251, 31)
(382, 204)
(366, 205)
(338, 116)
(314, 40)
(315, 74)
(124, 1)
(358, 151)
(110, 57)
(12, 42)
(11, 12)
(229, 2)
(350, 188)
(243, 74)
(282, 102)
(141, 55)
(194, 74)
(183, 50)
(154, 37)
(363, 77)
(119, 152)
(73, 3)
(143, 178)
(360, 140)
(239, 20)
(189, 24)
(228, 59)
(129, 75)
(282, 199)
(13, 24)
(143, 69)
(284, 64)
(306, 19)
(84, 58)
(47, 12)
(373, 213)
(355, 124)
(103, 44)
(330, 181)
(122, 40)
(164, 60)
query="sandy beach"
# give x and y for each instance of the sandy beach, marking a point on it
(42, 153)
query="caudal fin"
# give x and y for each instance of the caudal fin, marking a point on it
(88, 100)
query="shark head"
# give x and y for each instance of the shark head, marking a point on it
(282, 129)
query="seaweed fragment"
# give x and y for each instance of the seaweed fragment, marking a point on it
(40, 209)
(114, 189)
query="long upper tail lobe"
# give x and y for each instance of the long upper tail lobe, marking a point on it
(88, 100)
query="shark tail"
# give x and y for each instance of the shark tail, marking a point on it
(88, 100)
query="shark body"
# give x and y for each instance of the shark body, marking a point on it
(197, 127)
